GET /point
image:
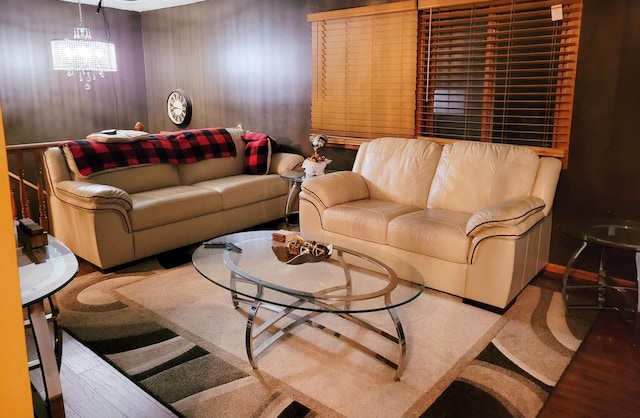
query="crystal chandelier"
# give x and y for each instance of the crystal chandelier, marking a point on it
(83, 55)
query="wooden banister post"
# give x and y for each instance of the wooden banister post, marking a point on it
(22, 192)
(13, 203)
(42, 203)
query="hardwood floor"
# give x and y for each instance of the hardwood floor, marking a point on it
(603, 379)
(91, 388)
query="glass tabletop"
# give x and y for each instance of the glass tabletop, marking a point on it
(256, 273)
(617, 233)
(294, 176)
(45, 270)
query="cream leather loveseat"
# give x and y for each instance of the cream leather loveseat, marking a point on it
(116, 216)
(471, 219)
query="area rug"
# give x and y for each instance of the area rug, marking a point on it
(178, 337)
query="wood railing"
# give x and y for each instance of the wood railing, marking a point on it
(27, 181)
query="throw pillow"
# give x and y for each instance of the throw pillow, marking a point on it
(118, 135)
(257, 154)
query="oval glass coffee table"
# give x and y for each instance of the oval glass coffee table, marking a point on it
(347, 284)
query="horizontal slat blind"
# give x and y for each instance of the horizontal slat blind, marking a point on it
(364, 76)
(499, 71)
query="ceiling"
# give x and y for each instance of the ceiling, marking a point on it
(136, 5)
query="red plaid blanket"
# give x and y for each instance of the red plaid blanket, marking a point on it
(179, 147)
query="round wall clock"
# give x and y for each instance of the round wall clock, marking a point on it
(179, 107)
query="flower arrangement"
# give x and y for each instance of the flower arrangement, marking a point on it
(315, 164)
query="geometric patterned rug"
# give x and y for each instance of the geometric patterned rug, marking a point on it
(178, 337)
(518, 369)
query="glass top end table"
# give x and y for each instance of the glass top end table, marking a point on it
(295, 179)
(42, 272)
(609, 294)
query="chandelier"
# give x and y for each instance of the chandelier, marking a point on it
(83, 55)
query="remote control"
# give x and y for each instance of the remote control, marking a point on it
(213, 244)
(233, 247)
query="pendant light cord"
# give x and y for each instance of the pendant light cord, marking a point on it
(113, 84)
(108, 33)
(80, 13)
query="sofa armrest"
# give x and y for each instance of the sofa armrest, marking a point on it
(335, 188)
(281, 162)
(547, 181)
(93, 196)
(510, 212)
(506, 231)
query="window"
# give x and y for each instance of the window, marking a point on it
(496, 71)
(364, 72)
(499, 71)
(449, 101)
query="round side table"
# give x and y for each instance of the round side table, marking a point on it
(607, 234)
(43, 271)
(295, 179)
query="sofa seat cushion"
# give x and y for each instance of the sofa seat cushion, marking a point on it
(172, 204)
(245, 189)
(433, 232)
(364, 219)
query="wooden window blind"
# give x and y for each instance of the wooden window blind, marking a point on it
(498, 71)
(364, 72)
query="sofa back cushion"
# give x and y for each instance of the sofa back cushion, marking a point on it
(473, 175)
(139, 178)
(398, 169)
(214, 168)
(132, 179)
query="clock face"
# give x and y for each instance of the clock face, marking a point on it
(179, 107)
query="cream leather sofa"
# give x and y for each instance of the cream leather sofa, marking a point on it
(121, 215)
(471, 219)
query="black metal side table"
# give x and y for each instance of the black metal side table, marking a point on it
(295, 179)
(609, 294)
